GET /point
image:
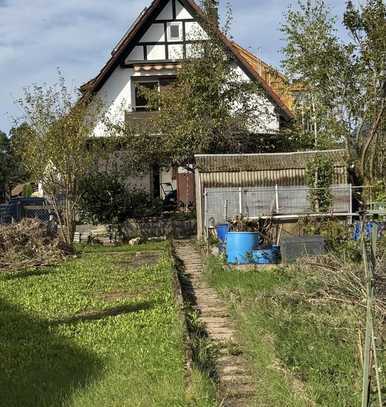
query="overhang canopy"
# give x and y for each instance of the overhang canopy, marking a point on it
(263, 162)
(265, 170)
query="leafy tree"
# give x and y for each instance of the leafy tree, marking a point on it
(343, 98)
(210, 108)
(55, 146)
(11, 171)
(4, 173)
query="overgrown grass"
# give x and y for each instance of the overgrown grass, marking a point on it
(95, 331)
(302, 353)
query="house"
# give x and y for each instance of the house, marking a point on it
(272, 185)
(149, 54)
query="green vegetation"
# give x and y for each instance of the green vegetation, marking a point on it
(303, 352)
(99, 330)
(342, 78)
(106, 199)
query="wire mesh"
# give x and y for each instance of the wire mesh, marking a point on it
(255, 202)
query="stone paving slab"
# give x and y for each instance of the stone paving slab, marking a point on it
(236, 386)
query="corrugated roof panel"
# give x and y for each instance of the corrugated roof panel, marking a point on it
(266, 178)
(253, 162)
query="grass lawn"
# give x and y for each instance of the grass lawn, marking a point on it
(302, 354)
(99, 330)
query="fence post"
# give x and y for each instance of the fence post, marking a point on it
(366, 353)
(277, 198)
(369, 355)
(351, 206)
(374, 239)
(241, 200)
(206, 214)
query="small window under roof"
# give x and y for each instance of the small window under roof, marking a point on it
(175, 31)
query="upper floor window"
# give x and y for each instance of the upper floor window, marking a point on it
(175, 31)
(141, 102)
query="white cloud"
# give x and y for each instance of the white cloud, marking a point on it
(37, 36)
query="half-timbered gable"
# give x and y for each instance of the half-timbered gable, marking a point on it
(149, 55)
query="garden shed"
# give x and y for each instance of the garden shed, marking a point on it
(258, 185)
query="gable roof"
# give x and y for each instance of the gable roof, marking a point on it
(145, 18)
(275, 79)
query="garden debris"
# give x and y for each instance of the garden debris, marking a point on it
(28, 244)
(345, 282)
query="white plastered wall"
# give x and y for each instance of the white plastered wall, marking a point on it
(268, 120)
(117, 95)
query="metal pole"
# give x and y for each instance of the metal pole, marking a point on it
(369, 265)
(277, 198)
(241, 200)
(366, 352)
(225, 210)
(351, 206)
(206, 214)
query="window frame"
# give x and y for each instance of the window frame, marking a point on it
(143, 83)
(180, 30)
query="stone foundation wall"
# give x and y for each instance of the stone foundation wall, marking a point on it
(143, 228)
(155, 227)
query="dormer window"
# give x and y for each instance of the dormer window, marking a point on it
(175, 32)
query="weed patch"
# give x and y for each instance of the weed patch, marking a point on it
(304, 352)
(90, 332)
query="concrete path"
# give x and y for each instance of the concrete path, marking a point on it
(236, 386)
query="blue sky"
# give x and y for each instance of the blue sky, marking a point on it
(38, 36)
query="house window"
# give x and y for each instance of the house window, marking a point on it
(141, 103)
(175, 32)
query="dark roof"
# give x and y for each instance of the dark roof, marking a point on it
(130, 37)
(261, 162)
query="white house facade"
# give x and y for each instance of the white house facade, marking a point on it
(149, 55)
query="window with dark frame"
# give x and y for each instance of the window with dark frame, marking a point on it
(141, 103)
(175, 31)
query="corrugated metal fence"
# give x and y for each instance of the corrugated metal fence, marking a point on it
(221, 204)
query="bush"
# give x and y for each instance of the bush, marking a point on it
(337, 234)
(106, 199)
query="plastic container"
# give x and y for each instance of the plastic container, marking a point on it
(369, 226)
(266, 256)
(305, 246)
(222, 231)
(240, 246)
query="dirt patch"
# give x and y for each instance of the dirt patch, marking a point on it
(146, 259)
(115, 296)
(135, 293)
(137, 260)
(106, 313)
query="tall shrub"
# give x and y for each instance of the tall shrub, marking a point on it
(319, 177)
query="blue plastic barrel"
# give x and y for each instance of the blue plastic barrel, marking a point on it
(240, 246)
(222, 231)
